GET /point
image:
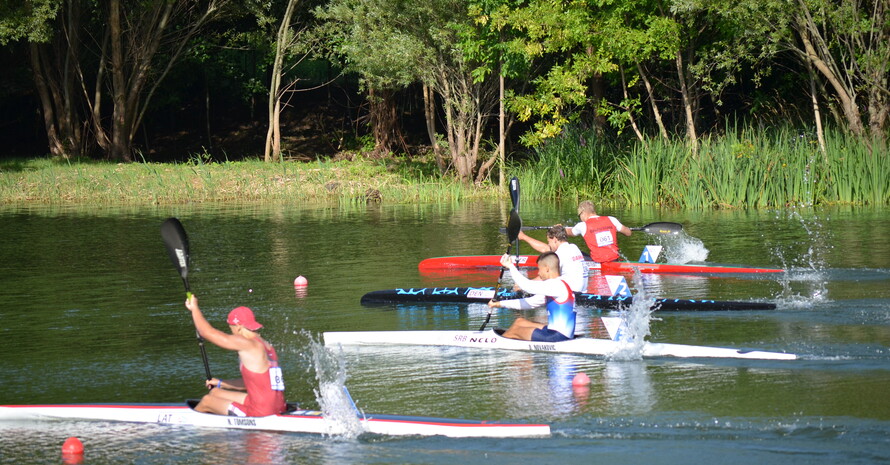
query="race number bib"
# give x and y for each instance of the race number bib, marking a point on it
(276, 378)
(604, 238)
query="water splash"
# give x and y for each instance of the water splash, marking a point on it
(342, 416)
(635, 320)
(805, 280)
(682, 248)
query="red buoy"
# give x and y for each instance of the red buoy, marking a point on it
(301, 281)
(72, 445)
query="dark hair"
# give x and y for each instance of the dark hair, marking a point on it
(558, 232)
(550, 259)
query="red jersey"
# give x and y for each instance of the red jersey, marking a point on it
(602, 239)
(265, 391)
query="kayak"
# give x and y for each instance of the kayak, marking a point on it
(492, 339)
(296, 421)
(468, 295)
(489, 261)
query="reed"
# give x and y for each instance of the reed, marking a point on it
(743, 167)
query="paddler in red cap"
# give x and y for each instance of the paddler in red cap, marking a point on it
(260, 390)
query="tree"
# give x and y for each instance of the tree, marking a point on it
(392, 43)
(125, 47)
(282, 43)
(847, 43)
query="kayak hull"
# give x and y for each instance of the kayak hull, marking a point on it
(468, 295)
(297, 421)
(491, 340)
(493, 261)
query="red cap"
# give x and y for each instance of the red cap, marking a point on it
(243, 316)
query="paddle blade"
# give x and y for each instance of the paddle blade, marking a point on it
(662, 228)
(177, 243)
(514, 192)
(513, 226)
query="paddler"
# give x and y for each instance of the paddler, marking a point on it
(599, 232)
(572, 267)
(260, 390)
(551, 291)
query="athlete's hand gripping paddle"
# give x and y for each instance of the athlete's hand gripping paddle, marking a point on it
(513, 228)
(177, 243)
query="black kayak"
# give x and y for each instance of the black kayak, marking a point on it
(606, 302)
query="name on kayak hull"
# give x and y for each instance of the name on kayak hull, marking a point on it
(242, 422)
(463, 338)
(542, 347)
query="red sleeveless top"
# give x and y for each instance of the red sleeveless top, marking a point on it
(265, 391)
(602, 239)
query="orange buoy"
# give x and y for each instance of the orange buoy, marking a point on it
(580, 379)
(72, 445)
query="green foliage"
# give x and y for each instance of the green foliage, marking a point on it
(28, 20)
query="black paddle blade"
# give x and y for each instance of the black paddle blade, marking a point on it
(514, 192)
(177, 243)
(513, 226)
(662, 228)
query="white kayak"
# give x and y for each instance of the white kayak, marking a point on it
(297, 421)
(491, 339)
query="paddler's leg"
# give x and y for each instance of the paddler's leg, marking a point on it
(218, 401)
(522, 329)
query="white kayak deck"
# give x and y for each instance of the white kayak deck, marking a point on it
(582, 345)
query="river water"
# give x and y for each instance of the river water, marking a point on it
(92, 311)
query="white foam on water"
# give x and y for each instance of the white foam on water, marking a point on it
(682, 248)
(342, 417)
(635, 323)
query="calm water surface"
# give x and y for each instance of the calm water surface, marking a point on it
(92, 312)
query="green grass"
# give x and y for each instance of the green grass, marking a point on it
(742, 168)
(51, 181)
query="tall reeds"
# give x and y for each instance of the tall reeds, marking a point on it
(743, 167)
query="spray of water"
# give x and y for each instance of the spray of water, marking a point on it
(342, 417)
(806, 279)
(635, 320)
(682, 248)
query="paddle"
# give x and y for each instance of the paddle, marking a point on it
(513, 228)
(514, 197)
(514, 193)
(660, 228)
(177, 243)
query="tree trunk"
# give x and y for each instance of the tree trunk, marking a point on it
(385, 122)
(429, 111)
(691, 135)
(630, 115)
(119, 149)
(56, 146)
(817, 114)
(272, 148)
(653, 103)
(817, 55)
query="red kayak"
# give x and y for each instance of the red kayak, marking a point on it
(488, 261)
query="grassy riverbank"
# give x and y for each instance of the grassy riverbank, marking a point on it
(741, 168)
(358, 181)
